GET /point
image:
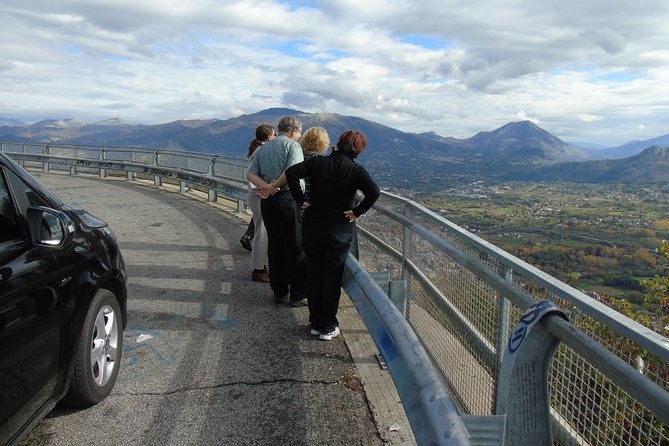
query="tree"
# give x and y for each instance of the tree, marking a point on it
(658, 293)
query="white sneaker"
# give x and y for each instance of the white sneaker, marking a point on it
(315, 332)
(330, 334)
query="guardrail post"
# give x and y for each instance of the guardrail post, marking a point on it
(103, 172)
(212, 195)
(406, 240)
(407, 247)
(394, 289)
(157, 179)
(73, 167)
(503, 321)
(210, 168)
(522, 392)
(241, 204)
(45, 165)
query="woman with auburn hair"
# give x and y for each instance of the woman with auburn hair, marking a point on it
(328, 223)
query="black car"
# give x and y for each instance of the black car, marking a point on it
(63, 304)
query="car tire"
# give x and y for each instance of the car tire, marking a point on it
(97, 356)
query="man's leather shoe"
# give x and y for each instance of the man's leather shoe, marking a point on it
(259, 276)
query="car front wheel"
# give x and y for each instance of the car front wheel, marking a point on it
(97, 357)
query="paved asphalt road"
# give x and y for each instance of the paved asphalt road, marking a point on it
(208, 359)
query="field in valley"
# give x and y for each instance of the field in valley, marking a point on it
(600, 238)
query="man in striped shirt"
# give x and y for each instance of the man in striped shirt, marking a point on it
(281, 214)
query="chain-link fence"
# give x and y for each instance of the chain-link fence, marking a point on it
(465, 323)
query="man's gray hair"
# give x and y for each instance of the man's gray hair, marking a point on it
(288, 123)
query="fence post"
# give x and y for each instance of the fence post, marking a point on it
(73, 167)
(522, 391)
(157, 179)
(103, 172)
(503, 323)
(45, 164)
(407, 247)
(211, 193)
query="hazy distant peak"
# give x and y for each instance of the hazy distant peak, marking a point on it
(653, 153)
(67, 123)
(111, 121)
(323, 117)
(634, 147)
(11, 122)
(523, 140)
(521, 129)
(194, 123)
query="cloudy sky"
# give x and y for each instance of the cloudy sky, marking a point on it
(588, 71)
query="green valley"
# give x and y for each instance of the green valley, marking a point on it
(601, 238)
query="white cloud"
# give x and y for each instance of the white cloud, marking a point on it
(589, 71)
(522, 116)
(589, 118)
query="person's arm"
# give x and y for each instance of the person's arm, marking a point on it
(256, 180)
(370, 190)
(253, 172)
(272, 187)
(279, 181)
(293, 175)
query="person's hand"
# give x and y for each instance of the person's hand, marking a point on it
(266, 190)
(305, 205)
(263, 193)
(350, 216)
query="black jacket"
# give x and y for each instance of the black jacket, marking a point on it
(334, 182)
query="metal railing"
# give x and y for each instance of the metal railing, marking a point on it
(213, 173)
(460, 298)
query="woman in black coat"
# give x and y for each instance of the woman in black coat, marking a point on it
(328, 223)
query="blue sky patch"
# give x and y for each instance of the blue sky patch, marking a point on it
(617, 77)
(427, 42)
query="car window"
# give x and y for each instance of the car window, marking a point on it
(24, 194)
(34, 199)
(30, 181)
(9, 227)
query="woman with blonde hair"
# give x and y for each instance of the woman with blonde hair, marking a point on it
(315, 141)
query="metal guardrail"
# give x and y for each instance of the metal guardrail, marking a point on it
(455, 356)
(213, 173)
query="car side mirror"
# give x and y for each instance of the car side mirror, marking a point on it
(48, 226)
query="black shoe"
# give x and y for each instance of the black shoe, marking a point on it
(246, 242)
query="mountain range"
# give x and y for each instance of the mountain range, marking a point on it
(518, 150)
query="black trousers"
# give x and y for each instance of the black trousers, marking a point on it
(325, 249)
(283, 222)
(250, 230)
